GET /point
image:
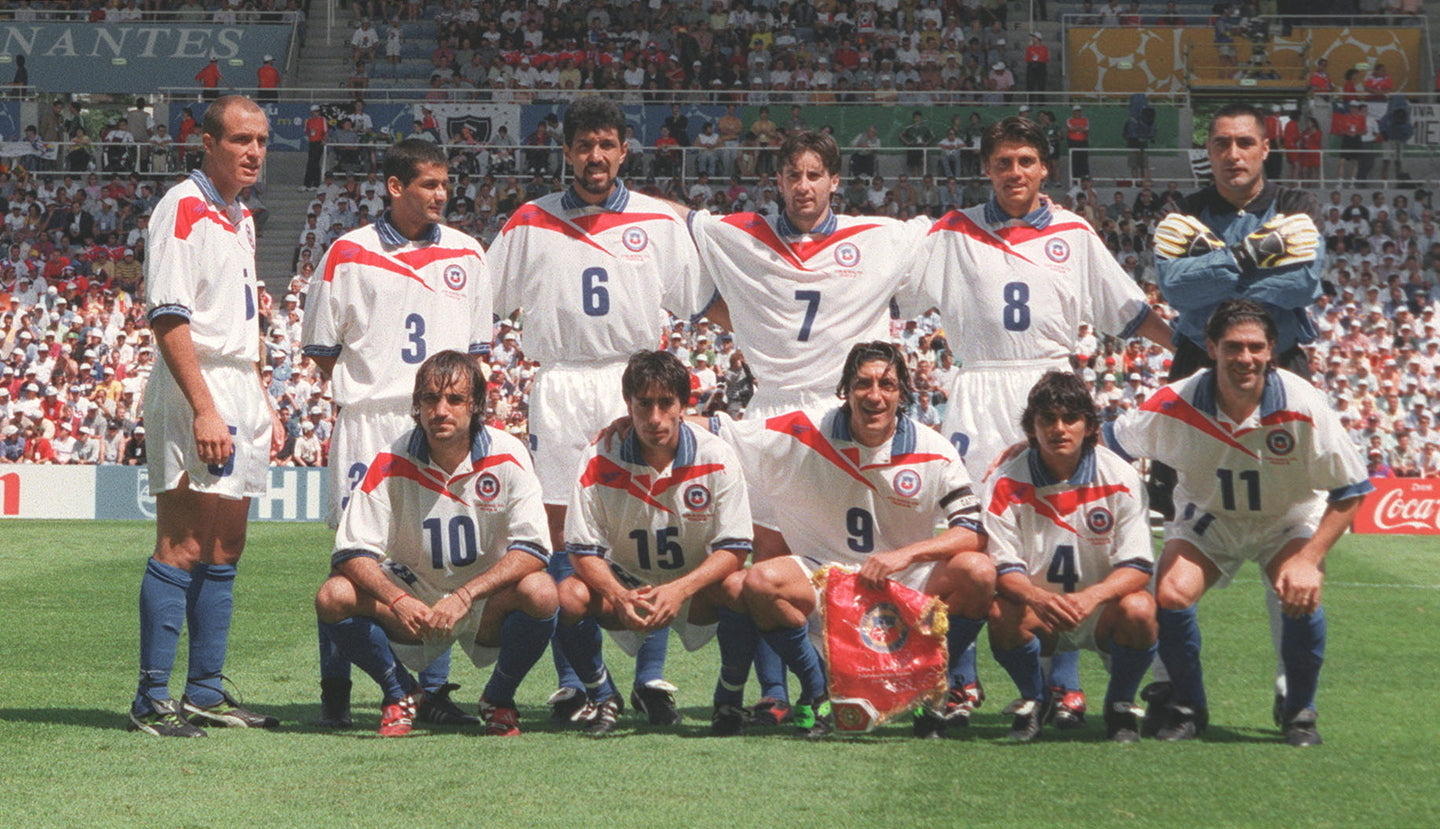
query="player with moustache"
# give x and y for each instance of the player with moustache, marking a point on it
(1266, 474)
(211, 427)
(443, 543)
(658, 532)
(384, 298)
(593, 270)
(1070, 534)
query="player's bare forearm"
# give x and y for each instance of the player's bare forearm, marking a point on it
(1057, 611)
(713, 570)
(769, 543)
(1122, 581)
(1338, 517)
(364, 572)
(595, 572)
(1155, 329)
(509, 570)
(949, 542)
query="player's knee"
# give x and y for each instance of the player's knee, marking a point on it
(1171, 596)
(539, 597)
(335, 600)
(574, 600)
(765, 581)
(1136, 615)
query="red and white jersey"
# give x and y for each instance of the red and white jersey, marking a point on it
(658, 526)
(445, 529)
(1281, 461)
(1068, 535)
(836, 500)
(201, 266)
(594, 282)
(380, 304)
(800, 300)
(1018, 289)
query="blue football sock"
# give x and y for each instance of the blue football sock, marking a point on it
(1179, 649)
(1023, 665)
(770, 672)
(738, 638)
(559, 568)
(1065, 670)
(650, 659)
(162, 612)
(209, 604)
(793, 647)
(1303, 645)
(960, 642)
(582, 645)
(356, 639)
(437, 673)
(522, 642)
(333, 664)
(1127, 671)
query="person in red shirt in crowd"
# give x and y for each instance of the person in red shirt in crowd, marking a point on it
(1275, 134)
(209, 79)
(1077, 135)
(1320, 82)
(1379, 84)
(316, 128)
(267, 78)
(1037, 60)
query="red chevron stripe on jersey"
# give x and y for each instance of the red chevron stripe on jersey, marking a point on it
(348, 253)
(601, 222)
(1169, 404)
(1054, 507)
(799, 427)
(602, 471)
(429, 255)
(798, 253)
(908, 458)
(1283, 416)
(1021, 234)
(388, 465)
(192, 211)
(528, 215)
(957, 222)
(496, 460)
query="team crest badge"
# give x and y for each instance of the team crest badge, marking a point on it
(882, 630)
(635, 239)
(1058, 250)
(1280, 441)
(697, 497)
(487, 487)
(906, 483)
(1099, 520)
(847, 255)
(455, 277)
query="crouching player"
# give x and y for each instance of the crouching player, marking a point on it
(1069, 531)
(863, 485)
(658, 527)
(1266, 474)
(443, 542)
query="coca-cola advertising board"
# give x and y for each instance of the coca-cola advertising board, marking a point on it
(1402, 506)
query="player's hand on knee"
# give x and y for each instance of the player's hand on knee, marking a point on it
(1298, 587)
(1284, 240)
(212, 438)
(1179, 235)
(412, 614)
(1059, 612)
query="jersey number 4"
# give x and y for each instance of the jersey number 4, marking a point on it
(1062, 569)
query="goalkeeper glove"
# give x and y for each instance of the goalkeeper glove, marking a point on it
(1284, 240)
(1179, 235)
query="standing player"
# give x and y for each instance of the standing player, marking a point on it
(1242, 236)
(1013, 278)
(658, 530)
(1070, 535)
(880, 485)
(1266, 474)
(443, 542)
(211, 427)
(385, 297)
(593, 269)
(795, 289)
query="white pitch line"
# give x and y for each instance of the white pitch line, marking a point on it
(1329, 583)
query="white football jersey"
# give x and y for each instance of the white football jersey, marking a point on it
(835, 500)
(658, 526)
(800, 301)
(594, 282)
(1019, 289)
(1068, 535)
(1284, 460)
(445, 529)
(201, 266)
(380, 304)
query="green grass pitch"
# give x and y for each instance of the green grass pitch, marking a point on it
(67, 671)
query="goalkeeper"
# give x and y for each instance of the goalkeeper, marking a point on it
(1242, 236)
(1246, 237)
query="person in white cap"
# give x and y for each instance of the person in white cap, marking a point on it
(1037, 61)
(267, 79)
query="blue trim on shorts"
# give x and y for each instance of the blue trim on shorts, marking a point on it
(585, 549)
(1352, 491)
(739, 544)
(322, 350)
(533, 549)
(1146, 567)
(339, 557)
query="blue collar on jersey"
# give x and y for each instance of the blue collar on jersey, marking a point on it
(419, 447)
(616, 202)
(207, 189)
(1207, 397)
(392, 238)
(787, 230)
(684, 453)
(1084, 473)
(901, 443)
(1039, 218)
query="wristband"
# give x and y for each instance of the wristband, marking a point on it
(396, 601)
